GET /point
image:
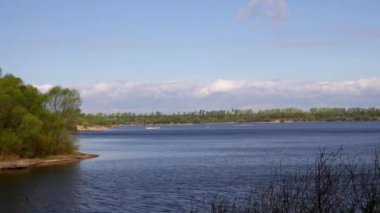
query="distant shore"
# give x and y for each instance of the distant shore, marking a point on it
(25, 163)
(101, 128)
(274, 121)
(94, 128)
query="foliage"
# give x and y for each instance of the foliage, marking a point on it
(234, 115)
(64, 103)
(33, 124)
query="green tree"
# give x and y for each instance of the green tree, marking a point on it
(35, 124)
(64, 103)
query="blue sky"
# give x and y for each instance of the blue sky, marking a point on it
(76, 43)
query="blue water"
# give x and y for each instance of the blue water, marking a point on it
(176, 168)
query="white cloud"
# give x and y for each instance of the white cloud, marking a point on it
(44, 87)
(126, 96)
(273, 9)
(224, 94)
(221, 86)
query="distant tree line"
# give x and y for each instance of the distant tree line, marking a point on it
(234, 115)
(33, 124)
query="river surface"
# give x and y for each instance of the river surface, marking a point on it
(176, 168)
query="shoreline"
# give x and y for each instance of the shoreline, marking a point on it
(275, 121)
(81, 128)
(26, 163)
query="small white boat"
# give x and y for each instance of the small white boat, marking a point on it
(152, 127)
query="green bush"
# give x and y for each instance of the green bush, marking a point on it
(33, 124)
(10, 143)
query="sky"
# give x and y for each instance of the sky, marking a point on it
(172, 55)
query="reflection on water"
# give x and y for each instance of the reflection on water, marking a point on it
(40, 189)
(169, 169)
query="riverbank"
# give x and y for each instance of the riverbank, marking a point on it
(276, 115)
(94, 128)
(101, 128)
(274, 121)
(25, 163)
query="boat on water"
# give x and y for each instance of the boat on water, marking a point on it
(152, 127)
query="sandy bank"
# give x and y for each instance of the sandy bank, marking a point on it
(94, 128)
(51, 160)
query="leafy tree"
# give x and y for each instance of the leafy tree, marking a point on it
(64, 103)
(35, 124)
(10, 143)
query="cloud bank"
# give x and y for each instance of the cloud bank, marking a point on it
(125, 96)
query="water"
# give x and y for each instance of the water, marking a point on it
(177, 167)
